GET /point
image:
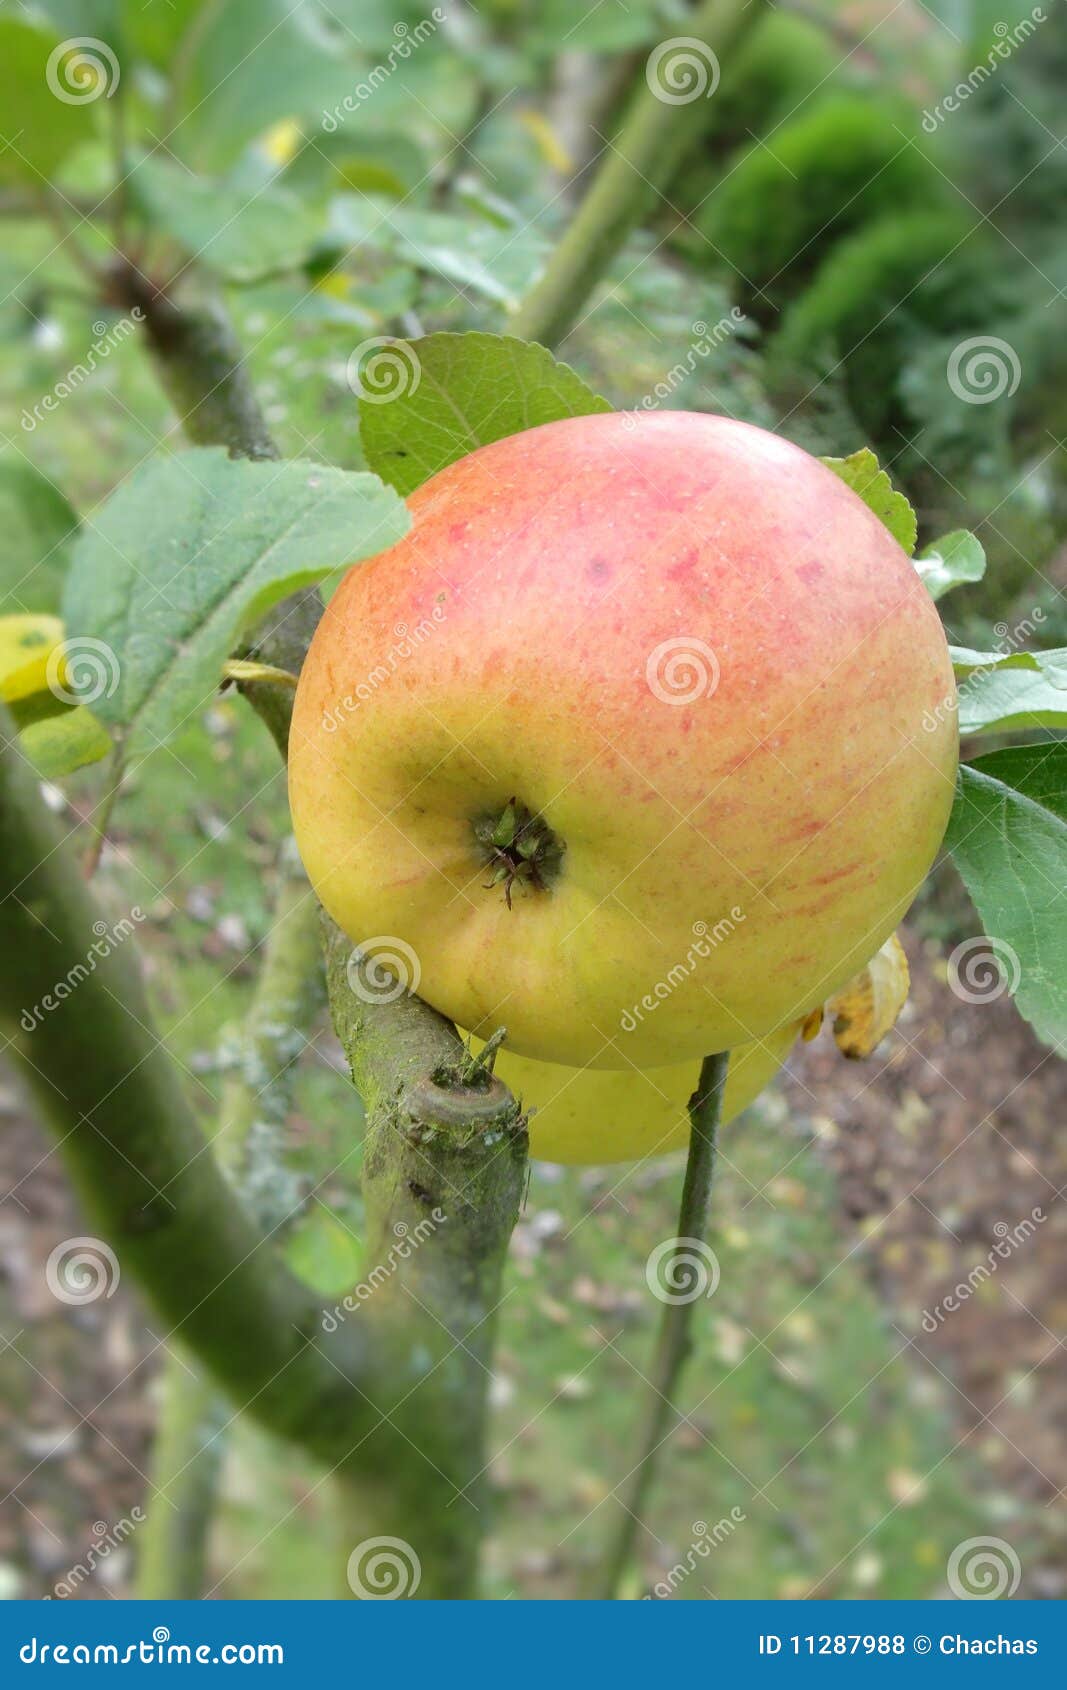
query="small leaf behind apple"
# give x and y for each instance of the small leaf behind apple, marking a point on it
(464, 391)
(861, 471)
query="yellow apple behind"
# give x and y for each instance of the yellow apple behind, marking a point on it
(583, 1115)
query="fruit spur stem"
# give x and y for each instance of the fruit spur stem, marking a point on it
(674, 1341)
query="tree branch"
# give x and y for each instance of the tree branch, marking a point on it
(444, 1166)
(674, 1342)
(72, 1003)
(635, 169)
(256, 1097)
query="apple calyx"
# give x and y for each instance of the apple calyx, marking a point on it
(520, 848)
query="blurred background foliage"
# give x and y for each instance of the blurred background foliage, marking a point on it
(364, 169)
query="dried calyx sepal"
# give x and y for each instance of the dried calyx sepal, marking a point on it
(519, 847)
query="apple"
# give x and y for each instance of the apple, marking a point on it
(618, 1115)
(624, 742)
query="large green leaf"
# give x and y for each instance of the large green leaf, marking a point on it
(52, 93)
(239, 233)
(243, 66)
(450, 393)
(190, 550)
(861, 472)
(952, 561)
(1017, 691)
(1008, 837)
(37, 526)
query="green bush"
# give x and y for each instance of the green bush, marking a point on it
(782, 62)
(775, 213)
(876, 301)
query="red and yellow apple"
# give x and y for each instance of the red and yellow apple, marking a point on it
(625, 739)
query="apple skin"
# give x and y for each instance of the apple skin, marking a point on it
(739, 832)
(583, 1115)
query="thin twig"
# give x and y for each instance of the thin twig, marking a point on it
(674, 1342)
(100, 819)
(51, 205)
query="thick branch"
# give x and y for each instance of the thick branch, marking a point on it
(635, 169)
(443, 1172)
(674, 1342)
(72, 1002)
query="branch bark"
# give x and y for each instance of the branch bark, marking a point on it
(72, 1002)
(635, 169)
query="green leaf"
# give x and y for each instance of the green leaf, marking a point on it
(70, 739)
(1026, 690)
(956, 558)
(241, 235)
(322, 1253)
(966, 662)
(387, 163)
(860, 471)
(37, 527)
(243, 66)
(189, 551)
(51, 98)
(558, 27)
(500, 263)
(1008, 838)
(456, 392)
